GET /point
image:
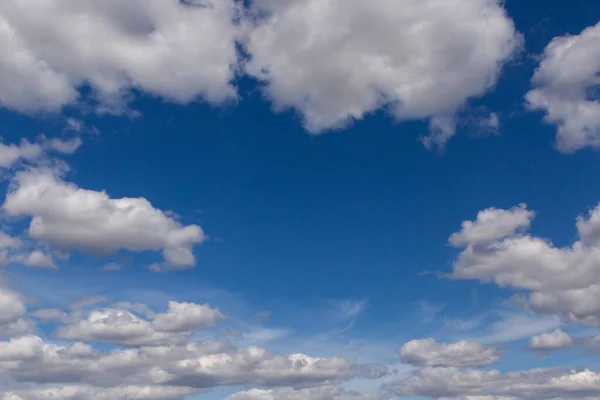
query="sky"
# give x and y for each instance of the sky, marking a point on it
(299, 200)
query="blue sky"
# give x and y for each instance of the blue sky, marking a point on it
(295, 191)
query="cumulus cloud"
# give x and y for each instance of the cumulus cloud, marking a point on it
(337, 61)
(561, 281)
(120, 326)
(322, 393)
(69, 217)
(536, 384)
(492, 224)
(551, 341)
(565, 89)
(428, 352)
(167, 48)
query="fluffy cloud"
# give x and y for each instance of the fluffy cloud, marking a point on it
(492, 224)
(565, 88)
(119, 326)
(536, 384)
(428, 352)
(551, 341)
(322, 393)
(69, 217)
(334, 61)
(562, 281)
(173, 49)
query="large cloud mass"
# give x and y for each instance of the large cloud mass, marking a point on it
(337, 60)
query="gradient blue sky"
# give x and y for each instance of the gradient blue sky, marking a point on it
(340, 236)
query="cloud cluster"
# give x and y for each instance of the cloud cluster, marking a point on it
(331, 61)
(561, 281)
(72, 218)
(565, 88)
(151, 359)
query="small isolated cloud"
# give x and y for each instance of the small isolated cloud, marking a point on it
(350, 309)
(551, 341)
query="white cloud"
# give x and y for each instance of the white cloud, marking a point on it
(565, 88)
(186, 317)
(322, 393)
(10, 154)
(518, 325)
(119, 326)
(87, 392)
(350, 309)
(68, 146)
(12, 311)
(428, 352)
(50, 314)
(551, 341)
(536, 384)
(335, 61)
(492, 224)
(36, 258)
(94, 222)
(167, 48)
(491, 123)
(562, 281)
(12, 306)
